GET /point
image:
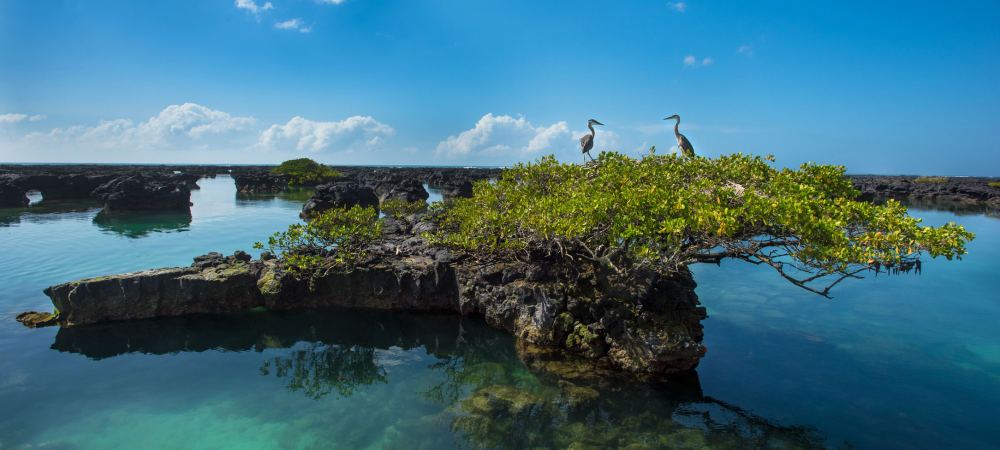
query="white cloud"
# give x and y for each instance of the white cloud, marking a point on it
(678, 6)
(692, 61)
(745, 50)
(12, 118)
(331, 2)
(505, 134)
(252, 7)
(175, 125)
(18, 117)
(293, 24)
(352, 133)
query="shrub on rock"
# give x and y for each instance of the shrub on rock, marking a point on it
(306, 172)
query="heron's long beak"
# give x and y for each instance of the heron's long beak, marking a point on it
(598, 123)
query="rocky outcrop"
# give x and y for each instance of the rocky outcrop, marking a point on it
(455, 189)
(224, 285)
(408, 190)
(339, 195)
(144, 192)
(12, 195)
(650, 326)
(63, 186)
(972, 191)
(260, 182)
(78, 181)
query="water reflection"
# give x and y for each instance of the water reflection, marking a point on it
(491, 392)
(319, 369)
(46, 211)
(140, 224)
(957, 208)
(297, 195)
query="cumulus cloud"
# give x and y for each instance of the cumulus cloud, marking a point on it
(678, 6)
(18, 117)
(174, 125)
(252, 7)
(352, 133)
(692, 61)
(293, 24)
(505, 134)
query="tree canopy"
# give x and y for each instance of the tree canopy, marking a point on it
(305, 172)
(666, 212)
(342, 232)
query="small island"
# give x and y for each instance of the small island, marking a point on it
(588, 259)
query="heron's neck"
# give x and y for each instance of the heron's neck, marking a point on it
(592, 132)
(677, 126)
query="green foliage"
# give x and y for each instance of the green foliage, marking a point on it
(305, 172)
(935, 180)
(398, 208)
(995, 184)
(666, 212)
(342, 234)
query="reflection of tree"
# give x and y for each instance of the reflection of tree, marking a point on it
(319, 369)
(295, 195)
(490, 392)
(563, 402)
(481, 359)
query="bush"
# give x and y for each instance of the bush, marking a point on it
(337, 236)
(935, 180)
(400, 209)
(305, 172)
(665, 212)
(995, 184)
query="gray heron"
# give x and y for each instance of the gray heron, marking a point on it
(587, 141)
(682, 141)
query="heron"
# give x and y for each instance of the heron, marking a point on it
(682, 141)
(587, 141)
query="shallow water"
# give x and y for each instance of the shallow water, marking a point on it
(892, 362)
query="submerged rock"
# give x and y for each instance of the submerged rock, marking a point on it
(34, 319)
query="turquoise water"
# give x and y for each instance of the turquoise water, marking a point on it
(892, 362)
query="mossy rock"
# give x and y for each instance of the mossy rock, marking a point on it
(585, 341)
(269, 284)
(33, 319)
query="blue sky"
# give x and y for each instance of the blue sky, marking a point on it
(893, 87)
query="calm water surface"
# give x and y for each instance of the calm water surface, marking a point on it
(892, 362)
